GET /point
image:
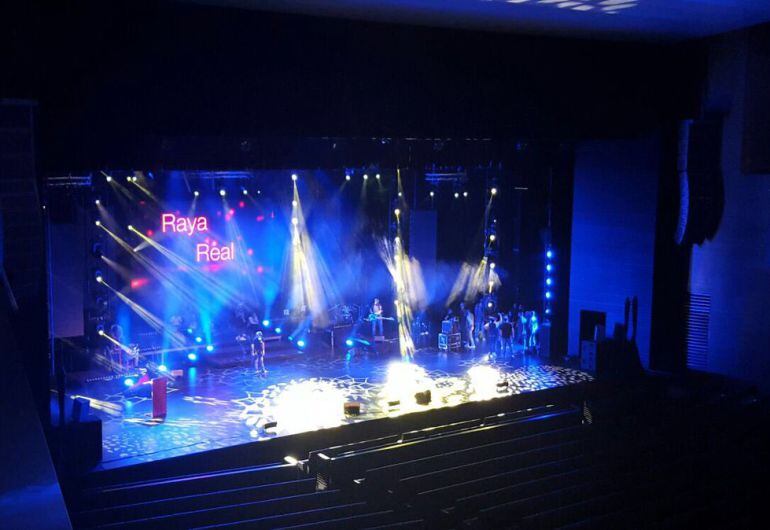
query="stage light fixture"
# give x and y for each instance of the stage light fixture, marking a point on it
(294, 204)
(245, 191)
(222, 192)
(128, 382)
(98, 277)
(100, 332)
(192, 356)
(349, 343)
(210, 348)
(465, 194)
(549, 267)
(432, 194)
(366, 177)
(347, 177)
(548, 294)
(98, 222)
(548, 281)
(457, 195)
(198, 339)
(294, 221)
(130, 227)
(108, 178)
(266, 323)
(97, 202)
(301, 343)
(492, 265)
(133, 179)
(377, 176)
(400, 194)
(547, 310)
(128, 179)
(397, 211)
(189, 331)
(493, 191)
(492, 237)
(397, 240)
(162, 368)
(196, 193)
(290, 460)
(278, 330)
(549, 254)
(294, 177)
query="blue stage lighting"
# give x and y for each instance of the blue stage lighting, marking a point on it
(349, 342)
(278, 330)
(198, 339)
(128, 381)
(548, 281)
(162, 368)
(547, 310)
(549, 254)
(548, 294)
(210, 347)
(192, 356)
(266, 322)
(549, 267)
(301, 343)
(189, 331)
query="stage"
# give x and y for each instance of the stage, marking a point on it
(212, 407)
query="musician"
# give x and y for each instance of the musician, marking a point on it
(376, 316)
(258, 353)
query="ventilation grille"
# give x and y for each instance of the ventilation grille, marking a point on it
(698, 315)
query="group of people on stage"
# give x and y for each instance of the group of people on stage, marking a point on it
(499, 332)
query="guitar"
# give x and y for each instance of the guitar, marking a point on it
(372, 317)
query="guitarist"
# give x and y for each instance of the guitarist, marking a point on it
(376, 317)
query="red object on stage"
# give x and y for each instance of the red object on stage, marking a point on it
(159, 397)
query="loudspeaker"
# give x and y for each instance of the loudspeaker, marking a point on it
(352, 408)
(423, 398)
(81, 408)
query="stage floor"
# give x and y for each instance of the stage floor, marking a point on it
(219, 407)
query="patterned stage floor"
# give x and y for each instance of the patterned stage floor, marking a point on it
(210, 408)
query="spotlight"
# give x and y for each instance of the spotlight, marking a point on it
(493, 191)
(548, 281)
(294, 177)
(347, 177)
(130, 227)
(549, 267)
(492, 265)
(547, 310)
(549, 254)
(97, 202)
(465, 194)
(397, 211)
(100, 332)
(366, 177)
(266, 323)
(245, 191)
(397, 240)
(278, 330)
(377, 176)
(457, 195)
(192, 356)
(133, 179)
(198, 339)
(301, 343)
(196, 193)
(98, 222)
(210, 348)
(492, 237)
(222, 192)
(432, 193)
(290, 460)
(109, 178)
(294, 204)
(294, 221)
(490, 305)
(400, 194)
(128, 381)
(189, 331)
(162, 368)
(548, 294)
(349, 343)
(98, 277)
(128, 179)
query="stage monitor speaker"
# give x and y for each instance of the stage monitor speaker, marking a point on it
(423, 398)
(352, 408)
(81, 408)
